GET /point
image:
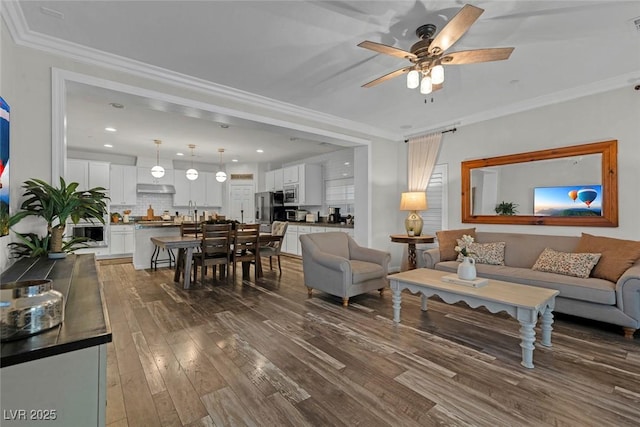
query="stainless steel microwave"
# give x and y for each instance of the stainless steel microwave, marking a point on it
(95, 232)
(290, 194)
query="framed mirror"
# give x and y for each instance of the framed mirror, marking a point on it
(570, 186)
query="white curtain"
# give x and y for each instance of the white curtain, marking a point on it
(421, 158)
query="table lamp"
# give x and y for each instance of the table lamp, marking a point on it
(413, 201)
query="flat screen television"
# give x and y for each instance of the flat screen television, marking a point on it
(568, 200)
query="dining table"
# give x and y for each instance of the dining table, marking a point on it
(188, 243)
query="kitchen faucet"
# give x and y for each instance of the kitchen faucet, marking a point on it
(193, 207)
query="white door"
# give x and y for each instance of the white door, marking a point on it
(242, 206)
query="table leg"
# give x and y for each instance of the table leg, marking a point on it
(528, 336)
(412, 256)
(187, 268)
(545, 325)
(396, 299)
(423, 302)
(179, 265)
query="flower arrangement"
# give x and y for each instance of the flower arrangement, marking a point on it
(464, 249)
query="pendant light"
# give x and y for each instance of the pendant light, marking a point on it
(157, 171)
(221, 176)
(192, 174)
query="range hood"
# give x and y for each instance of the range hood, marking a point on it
(156, 188)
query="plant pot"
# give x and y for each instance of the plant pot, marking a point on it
(57, 255)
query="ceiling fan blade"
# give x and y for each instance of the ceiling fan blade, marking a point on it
(387, 50)
(388, 76)
(455, 29)
(478, 55)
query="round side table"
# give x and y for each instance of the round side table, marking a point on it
(412, 241)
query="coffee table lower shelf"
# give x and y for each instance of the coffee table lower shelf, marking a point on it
(524, 303)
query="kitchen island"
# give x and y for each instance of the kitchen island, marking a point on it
(144, 247)
(58, 377)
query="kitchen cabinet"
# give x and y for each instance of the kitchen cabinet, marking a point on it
(213, 188)
(88, 174)
(121, 240)
(145, 177)
(204, 192)
(273, 180)
(291, 242)
(310, 185)
(123, 185)
(290, 175)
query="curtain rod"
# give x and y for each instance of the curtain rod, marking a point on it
(444, 131)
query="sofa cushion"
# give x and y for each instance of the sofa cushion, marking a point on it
(522, 250)
(617, 255)
(484, 253)
(447, 241)
(362, 271)
(592, 290)
(571, 264)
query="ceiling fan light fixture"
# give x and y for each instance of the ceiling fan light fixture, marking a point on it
(437, 74)
(191, 173)
(426, 86)
(221, 176)
(157, 171)
(413, 79)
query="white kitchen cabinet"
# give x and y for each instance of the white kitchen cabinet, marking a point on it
(310, 185)
(88, 174)
(123, 185)
(274, 180)
(291, 240)
(145, 177)
(121, 240)
(203, 192)
(290, 175)
(213, 196)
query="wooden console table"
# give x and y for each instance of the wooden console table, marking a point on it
(412, 241)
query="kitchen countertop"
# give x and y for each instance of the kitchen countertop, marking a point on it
(321, 224)
(86, 323)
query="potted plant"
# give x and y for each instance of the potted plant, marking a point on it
(57, 206)
(506, 208)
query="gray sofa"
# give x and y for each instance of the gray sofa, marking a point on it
(592, 298)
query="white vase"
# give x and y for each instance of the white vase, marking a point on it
(467, 269)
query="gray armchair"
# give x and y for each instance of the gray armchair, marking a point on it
(334, 263)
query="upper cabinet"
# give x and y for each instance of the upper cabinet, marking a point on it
(291, 174)
(145, 177)
(203, 192)
(123, 185)
(88, 174)
(309, 185)
(273, 180)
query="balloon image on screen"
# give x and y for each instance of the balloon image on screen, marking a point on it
(568, 200)
(587, 195)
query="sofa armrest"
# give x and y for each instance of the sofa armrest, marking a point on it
(628, 292)
(375, 256)
(431, 257)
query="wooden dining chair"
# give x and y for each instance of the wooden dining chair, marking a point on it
(215, 250)
(273, 247)
(246, 247)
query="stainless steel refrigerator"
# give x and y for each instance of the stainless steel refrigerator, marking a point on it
(269, 207)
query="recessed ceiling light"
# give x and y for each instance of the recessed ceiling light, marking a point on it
(224, 126)
(345, 174)
(234, 160)
(293, 138)
(179, 154)
(259, 150)
(110, 129)
(347, 163)
(108, 145)
(116, 105)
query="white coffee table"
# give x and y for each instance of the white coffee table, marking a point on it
(522, 302)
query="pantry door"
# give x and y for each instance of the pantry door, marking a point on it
(242, 203)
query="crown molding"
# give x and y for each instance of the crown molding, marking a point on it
(23, 36)
(537, 102)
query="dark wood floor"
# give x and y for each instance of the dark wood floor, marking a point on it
(263, 354)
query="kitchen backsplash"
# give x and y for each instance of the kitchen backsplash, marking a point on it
(159, 203)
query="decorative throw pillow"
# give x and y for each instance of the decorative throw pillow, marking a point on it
(447, 242)
(569, 264)
(617, 255)
(485, 253)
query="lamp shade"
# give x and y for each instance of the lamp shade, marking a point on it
(221, 176)
(437, 74)
(426, 86)
(413, 201)
(157, 171)
(191, 174)
(413, 79)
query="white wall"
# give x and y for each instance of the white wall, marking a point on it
(605, 116)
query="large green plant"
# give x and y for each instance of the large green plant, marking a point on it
(58, 205)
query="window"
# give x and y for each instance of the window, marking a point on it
(435, 217)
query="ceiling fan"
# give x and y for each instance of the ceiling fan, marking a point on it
(428, 55)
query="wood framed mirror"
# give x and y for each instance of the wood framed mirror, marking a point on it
(568, 186)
